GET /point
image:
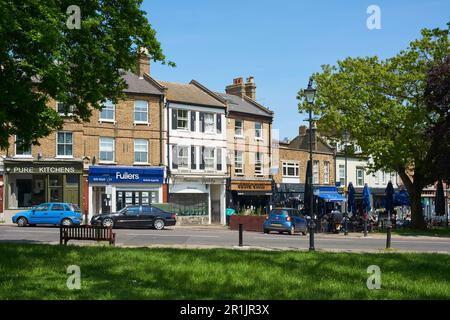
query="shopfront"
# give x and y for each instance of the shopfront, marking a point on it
(250, 195)
(112, 188)
(29, 183)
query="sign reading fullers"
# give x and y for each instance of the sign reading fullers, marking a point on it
(100, 174)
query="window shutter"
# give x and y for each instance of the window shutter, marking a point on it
(202, 122)
(193, 164)
(174, 119)
(193, 120)
(219, 122)
(219, 159)
(174, 157)
(202, 157)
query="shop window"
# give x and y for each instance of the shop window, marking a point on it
(64, 144)
(22, 148)
(55, 186)
(108, 111)
(210, 124)
(182, 119)
(140, 111)
(189, 204)
(107, 146)
(238, 128)
(72, 179)
(141, 151)
(238, 162)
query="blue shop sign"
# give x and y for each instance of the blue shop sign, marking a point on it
(100, 174)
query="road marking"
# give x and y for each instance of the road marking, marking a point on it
(168, 235)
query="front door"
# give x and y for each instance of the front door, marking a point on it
(106, 203)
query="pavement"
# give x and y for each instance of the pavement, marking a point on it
(221, 237)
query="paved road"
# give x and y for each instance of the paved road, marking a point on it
(221, 237)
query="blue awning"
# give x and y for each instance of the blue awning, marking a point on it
(329, 194)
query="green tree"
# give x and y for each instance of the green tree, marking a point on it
(382, 104)
(42, 58)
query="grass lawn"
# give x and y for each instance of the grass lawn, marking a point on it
(443, 232)
(30, 271)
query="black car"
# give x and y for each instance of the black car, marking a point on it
(145, 216)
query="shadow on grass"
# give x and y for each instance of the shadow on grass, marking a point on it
(35, 272)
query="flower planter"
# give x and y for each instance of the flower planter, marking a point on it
(250, 223)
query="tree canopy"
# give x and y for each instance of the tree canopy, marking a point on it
(41, 58)
(383, 105)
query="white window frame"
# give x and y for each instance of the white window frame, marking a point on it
(179, 118)
(316, 171)
(136, 102)
(259, 164)
(358, 170)
(107, 139)
(241, 128)
(186, 157)
(238, 164)
(64, 144)
(326, 172)
(142, 142)
(108, 106)
(68, 114)
(22, 155)
(211, 125)
(291, 165)
(260, 130)
(209, 159)
(342, 174)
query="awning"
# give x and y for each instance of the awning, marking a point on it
(329, 194)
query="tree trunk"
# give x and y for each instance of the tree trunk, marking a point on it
(417, 219)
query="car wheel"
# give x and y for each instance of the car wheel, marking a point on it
(108, 223)
(22, 222)
(266, 231)
(158, 224)
(292, 230)
(66, 222)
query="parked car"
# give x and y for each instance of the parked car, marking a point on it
(285, 220)
(145, 216)
(65, 214)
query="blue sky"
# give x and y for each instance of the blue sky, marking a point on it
(280, 42)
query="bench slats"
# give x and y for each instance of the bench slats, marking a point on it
(86, 233)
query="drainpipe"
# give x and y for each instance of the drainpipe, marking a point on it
(161, 101)
(270, 166)
(168, 153)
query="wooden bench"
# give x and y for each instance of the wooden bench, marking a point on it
(93, 233)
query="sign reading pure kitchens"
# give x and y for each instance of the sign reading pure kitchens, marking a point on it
(251, 186)
(43, 169)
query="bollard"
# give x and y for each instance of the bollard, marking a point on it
(346, 225)
(365, 227)
(241, 229)
(388, 238)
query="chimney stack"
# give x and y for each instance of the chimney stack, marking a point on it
(302, 130)
(237, 88)
(250, 88)
(143, 62)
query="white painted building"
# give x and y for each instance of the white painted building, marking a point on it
(196, 151)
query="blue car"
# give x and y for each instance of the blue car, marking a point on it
(285, 220)
(65, 214)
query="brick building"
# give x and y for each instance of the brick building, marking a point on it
(114, 159)
(249, 135)
(293, 159)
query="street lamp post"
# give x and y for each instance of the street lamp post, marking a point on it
(346, 138)
(310, 94)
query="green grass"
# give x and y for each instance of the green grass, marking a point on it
(435, 232)
(30, 271)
